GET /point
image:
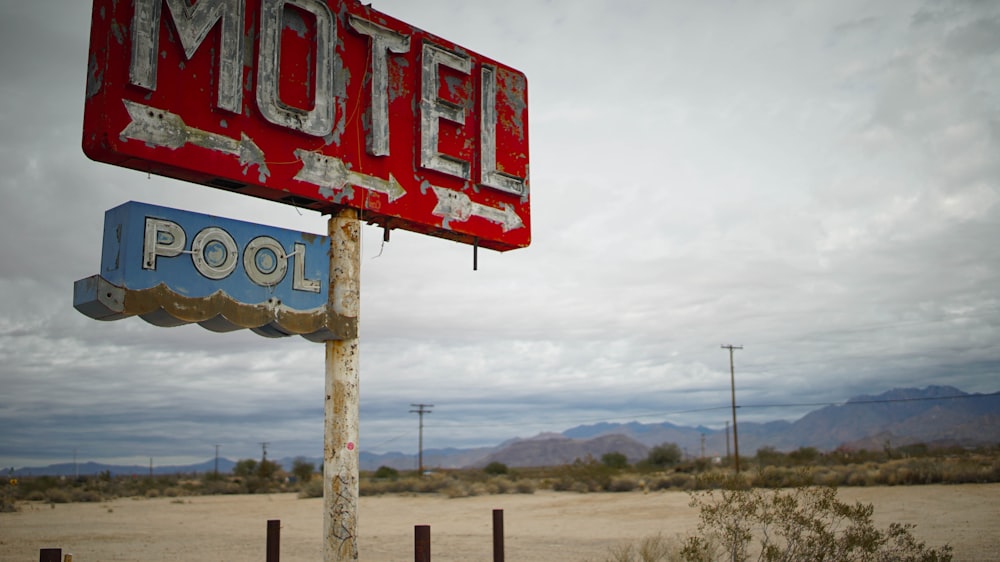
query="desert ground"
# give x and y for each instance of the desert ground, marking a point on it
(541, 527)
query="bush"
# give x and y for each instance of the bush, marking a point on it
(303, 470)
(312, 489)
(386, 472)
(495, 468)
(583, 476)
(56, 495)
(803, 523)
(85, 496)
(614, 460)
(665, 455)
(649, 549)
(623, 485)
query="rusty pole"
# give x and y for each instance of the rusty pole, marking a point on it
(340, 450)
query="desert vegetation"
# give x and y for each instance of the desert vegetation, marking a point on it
(739, 522)
(663, 469)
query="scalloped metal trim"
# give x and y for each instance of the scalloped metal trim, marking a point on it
(99, 299)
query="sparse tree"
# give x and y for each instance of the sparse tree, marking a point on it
(386, 472)
(495, 468)
(664, 456)
(303, 470)
(804, 455)
(769, 456)
(267, 470)
(245, 467)
(614, 460)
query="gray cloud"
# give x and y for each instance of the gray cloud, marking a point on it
(818, 183)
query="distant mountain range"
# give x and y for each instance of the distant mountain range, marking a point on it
(70, 469)
(936, 415)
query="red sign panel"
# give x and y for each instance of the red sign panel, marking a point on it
(316, 103)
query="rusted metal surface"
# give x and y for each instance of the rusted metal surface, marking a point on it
(160, 306)
(317, 103)
(342, 405)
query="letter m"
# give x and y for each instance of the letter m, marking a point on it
(192, 24)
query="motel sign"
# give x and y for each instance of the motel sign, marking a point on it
(323, 104)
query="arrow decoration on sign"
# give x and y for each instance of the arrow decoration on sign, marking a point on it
(161, 128)
(327, 171)
(457, 206)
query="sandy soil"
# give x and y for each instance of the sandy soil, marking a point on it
(543, 527)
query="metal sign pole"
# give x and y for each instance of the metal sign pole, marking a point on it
(340, 451)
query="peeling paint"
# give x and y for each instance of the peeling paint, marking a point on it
(513, 91)
(218, 312)
(438, 125)
(293, 20)
(342, 406)
(95, 77)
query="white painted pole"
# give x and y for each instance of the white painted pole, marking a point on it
(340, 450)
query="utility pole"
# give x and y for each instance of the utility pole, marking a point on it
(217, 461)
(421, 409)
(263, 452)
(732, 387)
(728, 453)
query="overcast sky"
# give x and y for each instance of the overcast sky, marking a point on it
(818, 182)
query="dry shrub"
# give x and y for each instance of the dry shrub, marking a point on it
(524, 487)
(804, 523)
(458, 489)
(650, 549)
(313, 489)
(500, 486)
(85, 496)
(623, 484)
(56, 495)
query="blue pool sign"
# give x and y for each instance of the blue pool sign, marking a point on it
(173, 267)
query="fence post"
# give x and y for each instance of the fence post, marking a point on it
(497, 535)
(50, 555)
(422, 543)
(273, 540)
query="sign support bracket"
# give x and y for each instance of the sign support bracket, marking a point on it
(342, 404)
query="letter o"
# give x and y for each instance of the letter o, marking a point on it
(214, 253)
(265, 261)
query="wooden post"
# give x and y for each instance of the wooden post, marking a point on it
(342, 405)
(422, 543)
(273, 540)
(498, 553)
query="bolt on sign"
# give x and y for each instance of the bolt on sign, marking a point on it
(173, 267)
(323, 104)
